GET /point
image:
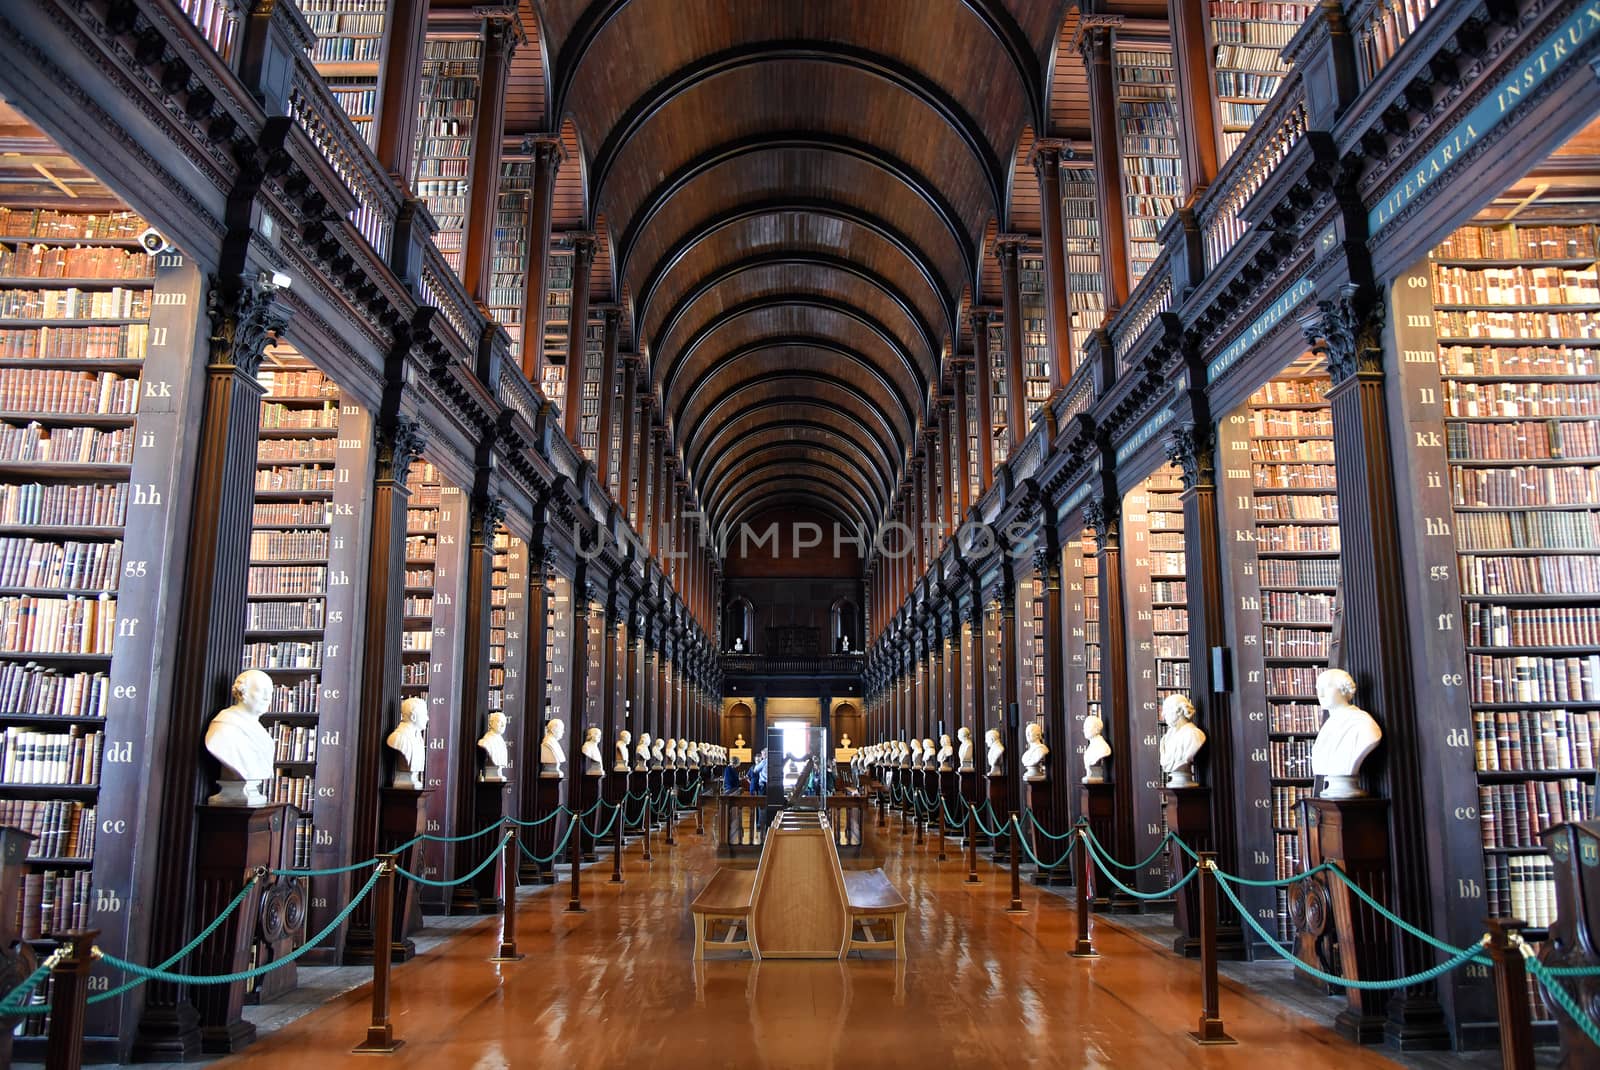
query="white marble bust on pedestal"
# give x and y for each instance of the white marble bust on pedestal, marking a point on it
(409, 740)
(1095, 751)
(671, 761)
(946, 751)
(694, 755)
(658, 754)
(1345, 739)
(641, 756)
(552, 758)
(928, 753)
(244, 749)
(594, 763)
(1033, 757)
(620, 763)
(1181, 743)
(496, 755)
(994, 753)
(964, 751)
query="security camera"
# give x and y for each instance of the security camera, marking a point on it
(152, 241)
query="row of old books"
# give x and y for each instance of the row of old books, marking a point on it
(33, 756)
(1535, 740)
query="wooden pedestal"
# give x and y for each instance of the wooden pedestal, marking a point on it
(542, 838)
(402, 817)
(1040, 794)
(969, 794)
(998, 790)
(617, 787)
(14, 964)
(1188, 815)
(280, 918)
(1097, 804)
(481, 895)
(232, 841)
(1355, 834)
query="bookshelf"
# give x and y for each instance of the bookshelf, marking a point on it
(1281, 511)
(1148, 126)
(435, 537)
(509, 265)
(589, 415)
(1086, 284)
(557, 651)
(1246, 67)
(1035, 334)
(994, 698)
(614, 434)
(974, 452)
(441, 164)
(999, 392)
(1157, 609)
(348, 51)
(88, 323)
(558, 303)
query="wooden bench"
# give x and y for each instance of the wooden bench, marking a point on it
(726, 898)
(870, 900)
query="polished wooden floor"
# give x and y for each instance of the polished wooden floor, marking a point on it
(616, 987)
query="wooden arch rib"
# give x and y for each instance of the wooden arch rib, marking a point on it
(775, 471)
(667, 372)
(827, 389)
(799, 433)
(908, 248)
(733, 465)
(780, 412)
(802, 260)
(754, 500)
(920, 185)
(892, 72)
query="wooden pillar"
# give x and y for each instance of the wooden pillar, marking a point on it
(530, 734)
(1103, 517)
(502, 35)
(484, 518)
(630, 426)
(651, 517)
(547, 154)
(980, 349)
(583, 246)
(1009, 655)
(1373, 584)
(400, 87)
(1008, 251)
(1047, 155)
(930, 495)
(1058, 726)
(963, 433)
(632, 659)
(647, 473)
(210, 618)
(608, 385)
(1094, 42)
(1197, 127)
(953, 451)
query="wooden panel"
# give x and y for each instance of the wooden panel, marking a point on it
(1024, 194)
(526, 96)
(1069, 84)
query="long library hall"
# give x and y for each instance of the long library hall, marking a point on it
(865, 532)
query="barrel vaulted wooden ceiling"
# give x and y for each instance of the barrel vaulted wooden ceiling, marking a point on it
(793, 199)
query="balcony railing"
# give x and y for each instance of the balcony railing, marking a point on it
(819, 665)
(327, 126)
(1152, 297)
(1381, 27)
(1279, 130)
(217, 21)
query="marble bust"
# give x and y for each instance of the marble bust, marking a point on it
(994, 753)
(928, 753)
(244, 749)
(496, 756)
(410, 742)
(964, 752)
(641, 760)
(1346, 738)
(1095, 751)
(552, 759)
(1181, 742)
(658, 754)
(594, 763)
(1033, 758)
(671, 761)
(694, 755)
(945, 753)
(620, 763)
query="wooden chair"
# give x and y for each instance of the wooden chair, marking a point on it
(727, 898)
(872, 900)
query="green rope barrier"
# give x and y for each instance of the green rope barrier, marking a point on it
(11, 1006)
(1046, 833)
(1028, 849)
(1162, 846)
(546, 819)
(615, 811)
(1572, 971)
(334, 872)
(1284, 882)
(1453, 963)
(1094, 853)
(1547, 978)
(949, 821)
(480, 834)
(553, 855)
(978, 823)
(494, 856)
(146, 973)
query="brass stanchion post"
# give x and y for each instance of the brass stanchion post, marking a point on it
(575, 855)
(972, 846)
(1016, 868)
(616, 843)
(1511, 995)
(508, 904)
(69, 987)
(380, 1033)
(1082, 948)
(1211, 1030)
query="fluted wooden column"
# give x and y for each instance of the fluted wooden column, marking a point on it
(1103, 518)
(1047, 154)
(985, 374)
(583, 247)
(484, 516)
(547, 155)
(502, 35)
(1094, 41)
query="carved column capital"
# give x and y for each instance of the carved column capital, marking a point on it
(245, 316)
(1100, 516)
(1348, 332)
(1190, 448)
